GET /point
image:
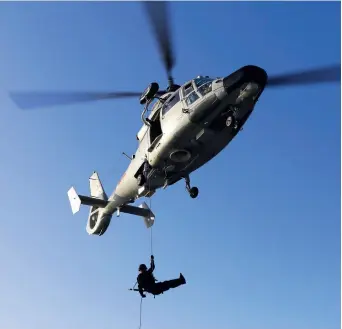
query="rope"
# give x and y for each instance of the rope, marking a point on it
(151, 241)
(151, 228)
(141, 299)
(151, 235)
(149, 188)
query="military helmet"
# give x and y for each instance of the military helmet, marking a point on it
(142, 267)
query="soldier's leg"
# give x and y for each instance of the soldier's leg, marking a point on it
(170, 284)
(173, 283)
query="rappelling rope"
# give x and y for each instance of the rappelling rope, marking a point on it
(151, 242)
(151, 235)
(141, 299)
(149, 189)
(151, 228)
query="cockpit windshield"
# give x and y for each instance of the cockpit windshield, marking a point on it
(203, 84)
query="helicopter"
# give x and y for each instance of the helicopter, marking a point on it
(183, 126)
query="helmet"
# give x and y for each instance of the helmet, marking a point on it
(142, 267)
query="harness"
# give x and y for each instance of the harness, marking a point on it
(135, 289)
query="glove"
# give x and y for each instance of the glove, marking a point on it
(152, 257)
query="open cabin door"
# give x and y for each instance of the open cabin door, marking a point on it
(154, 133)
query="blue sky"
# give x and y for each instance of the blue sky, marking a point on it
(260, 247)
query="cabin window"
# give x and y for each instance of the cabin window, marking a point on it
(170, 103)
(203, 84)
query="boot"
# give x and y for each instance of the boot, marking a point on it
(182, 279)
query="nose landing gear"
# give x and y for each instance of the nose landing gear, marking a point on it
(193, 191)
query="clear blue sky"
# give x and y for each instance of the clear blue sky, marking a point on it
(260, 247)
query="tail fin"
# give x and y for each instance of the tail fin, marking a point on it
(97, 192)
(77, 200)
(97, 199)
(98, 220)
(96, 188)
(74, 199)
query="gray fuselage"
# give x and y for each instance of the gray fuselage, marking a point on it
(192, 130)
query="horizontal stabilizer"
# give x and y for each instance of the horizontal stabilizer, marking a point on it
(76, 201)
(143, 210)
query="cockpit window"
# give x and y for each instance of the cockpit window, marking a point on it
(191, 98)
(171, 102)
(203, 84)
(190, 95)
(188, 89)
(200, 80)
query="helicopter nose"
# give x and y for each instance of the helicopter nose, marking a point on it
(249, 73)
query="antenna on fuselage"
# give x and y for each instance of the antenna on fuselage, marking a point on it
(127, 156)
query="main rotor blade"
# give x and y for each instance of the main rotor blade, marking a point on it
(320, 75)
(157, 12)
(30, 100)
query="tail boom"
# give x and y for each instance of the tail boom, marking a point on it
(102, 209)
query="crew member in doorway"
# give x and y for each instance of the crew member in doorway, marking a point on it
(146, 170)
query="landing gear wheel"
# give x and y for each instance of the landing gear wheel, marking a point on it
(193, 192)
(141, 180)
(230, 120)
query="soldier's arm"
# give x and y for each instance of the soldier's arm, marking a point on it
(141, 291)
(151, 269)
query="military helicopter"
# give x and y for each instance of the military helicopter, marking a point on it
(183, 127)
